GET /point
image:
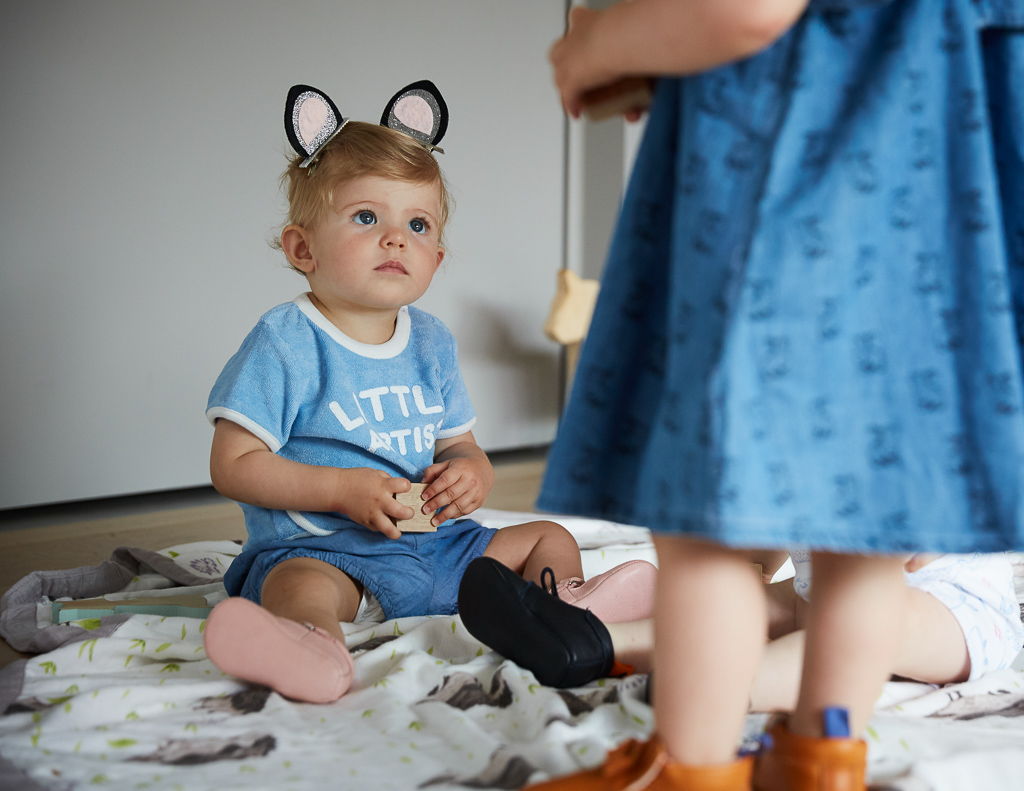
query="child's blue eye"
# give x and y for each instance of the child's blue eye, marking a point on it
(418, 226)
(365, 218)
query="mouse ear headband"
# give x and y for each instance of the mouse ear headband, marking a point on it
(311, 119)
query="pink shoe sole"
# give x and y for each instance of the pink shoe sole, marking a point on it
(297, 661)
(624, 593)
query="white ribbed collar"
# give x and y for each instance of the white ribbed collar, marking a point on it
(377, 351)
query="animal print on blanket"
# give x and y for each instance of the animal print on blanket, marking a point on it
(189, 752)
(463, 691)
(504, 770)
(1000, 703)
(586, 702)
(249, 701)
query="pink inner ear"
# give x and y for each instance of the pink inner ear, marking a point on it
(415, 113)
(312, 115)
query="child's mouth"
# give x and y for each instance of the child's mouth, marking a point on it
(392, 266)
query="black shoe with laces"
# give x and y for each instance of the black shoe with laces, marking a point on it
(564, 646)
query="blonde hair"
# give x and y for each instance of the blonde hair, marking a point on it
(359, 149)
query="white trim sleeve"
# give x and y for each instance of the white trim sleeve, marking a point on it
(214, 413)
(448, 433)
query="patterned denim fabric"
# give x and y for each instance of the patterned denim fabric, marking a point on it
(808, 331)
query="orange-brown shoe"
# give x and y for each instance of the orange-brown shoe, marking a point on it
(645, 765)
(806, 763)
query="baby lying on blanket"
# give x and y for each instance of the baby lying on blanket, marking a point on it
(336, 401)
(963, 620)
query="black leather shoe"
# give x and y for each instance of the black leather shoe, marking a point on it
(564, 646)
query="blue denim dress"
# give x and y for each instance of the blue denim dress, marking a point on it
(810, 323)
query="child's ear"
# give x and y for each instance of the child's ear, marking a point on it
(440, 257)
(295, 244)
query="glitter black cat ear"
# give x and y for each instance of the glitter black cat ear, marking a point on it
(311, 119)
(418, 110)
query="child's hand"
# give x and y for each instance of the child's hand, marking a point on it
(457, 487)
(660, 37)
(576, 69)
(629, 97)
(367, 496)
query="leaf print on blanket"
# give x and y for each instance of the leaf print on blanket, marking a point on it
(503, 770)
(189, 752)
(464, 690)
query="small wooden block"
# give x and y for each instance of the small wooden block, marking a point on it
(629, 93)
(420, 523)
(571, 310)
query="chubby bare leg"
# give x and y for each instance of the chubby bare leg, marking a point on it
(309, 590)
(529, 547)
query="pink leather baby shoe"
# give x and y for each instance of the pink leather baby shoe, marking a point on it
(624, 593)
(296, 660)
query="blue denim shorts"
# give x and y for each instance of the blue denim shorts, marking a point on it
(416, 574)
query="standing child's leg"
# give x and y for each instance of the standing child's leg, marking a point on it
(854, 630)
(710, 624)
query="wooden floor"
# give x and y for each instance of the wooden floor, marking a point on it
(74, 542)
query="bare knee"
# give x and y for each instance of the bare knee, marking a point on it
(301, 572)
(310, 584)
(514, 545)
(554, 534)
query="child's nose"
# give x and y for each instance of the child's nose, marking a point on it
(394, 236)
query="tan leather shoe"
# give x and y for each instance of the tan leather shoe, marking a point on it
(645, 765)
(805, 763)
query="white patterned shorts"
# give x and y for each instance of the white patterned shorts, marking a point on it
(978, 589)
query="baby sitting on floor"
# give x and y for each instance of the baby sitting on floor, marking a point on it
(336, 401)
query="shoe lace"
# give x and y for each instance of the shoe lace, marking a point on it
(544, 575)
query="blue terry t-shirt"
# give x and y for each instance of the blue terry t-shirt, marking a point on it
(318, 397)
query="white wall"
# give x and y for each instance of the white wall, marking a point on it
(600, 161)
(142, 146)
